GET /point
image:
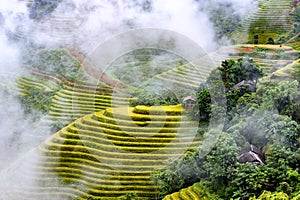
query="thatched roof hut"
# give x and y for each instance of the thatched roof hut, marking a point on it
(189, 102)
(251, 85)
(253, 155)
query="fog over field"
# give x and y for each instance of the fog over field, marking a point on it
(85, 25)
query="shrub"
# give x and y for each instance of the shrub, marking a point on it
(56, 61)
(37, 99)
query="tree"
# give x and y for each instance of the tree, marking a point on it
(180, 173)
(245, 182)
(225, 72)
(37, 99)
(283, 96)
(204, 103)
(250, 180)
(154, 98)
(224, 18)
(220, 162)
(228, 74)
(55, 61)
(266, 118)
(285, 131)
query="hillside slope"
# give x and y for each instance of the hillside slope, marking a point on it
(271, 21)
(108, 154)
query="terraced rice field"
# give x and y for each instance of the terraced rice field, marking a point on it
(71, 100)
(269, 21)
(109, 149)
(61, 26)
(269, 57)
(287, 71)
(193, 192)
(74, 101)
(26, 83)
(110, 153)
(147, 66)
(189, 76)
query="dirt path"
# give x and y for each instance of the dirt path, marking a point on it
(292, 38)
(93, 70)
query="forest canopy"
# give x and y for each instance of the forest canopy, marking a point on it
(266, 117)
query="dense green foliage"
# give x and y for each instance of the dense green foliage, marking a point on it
(266, 117)
(192, 167)
(154, 98)
(279, 174)
(204, 103)
(129, 196)
(180, 173)
(230, 73)
(264, 114)
(36, 100)
(224, 18)
(235, 71)
(260, 120)
(55, 60)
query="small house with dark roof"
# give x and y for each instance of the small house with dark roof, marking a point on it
(250, 84)
(189, 102)
(253, 155)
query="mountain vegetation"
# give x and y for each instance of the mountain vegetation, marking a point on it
(266, 118)
(172, 129)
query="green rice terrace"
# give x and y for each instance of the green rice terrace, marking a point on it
(105, 141)
(262, 24)
(109, 153)
(153, 125)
